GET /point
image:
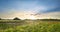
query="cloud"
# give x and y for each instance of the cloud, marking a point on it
(27, 15)
(53, 15)
(24, 9)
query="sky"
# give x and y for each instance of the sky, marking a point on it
(30, 9)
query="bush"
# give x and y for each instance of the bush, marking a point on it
(16, 18)
(0, 18)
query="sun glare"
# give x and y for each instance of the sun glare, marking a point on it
(32, 17)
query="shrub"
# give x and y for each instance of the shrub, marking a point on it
(16, 18)
(0, 18)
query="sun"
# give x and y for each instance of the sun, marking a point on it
(32, 17)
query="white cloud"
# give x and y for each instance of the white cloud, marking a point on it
(54, 15)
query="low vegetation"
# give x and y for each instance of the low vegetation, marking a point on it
(29, 26)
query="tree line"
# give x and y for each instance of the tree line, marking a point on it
(16, 18)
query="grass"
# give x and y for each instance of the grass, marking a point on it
(29, 26)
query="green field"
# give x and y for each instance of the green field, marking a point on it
(29, 26)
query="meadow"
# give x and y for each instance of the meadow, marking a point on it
(29, 26)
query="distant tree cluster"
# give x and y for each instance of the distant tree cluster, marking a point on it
(16, 18)
(0, 18)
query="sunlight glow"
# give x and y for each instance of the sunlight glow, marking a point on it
(32, 17)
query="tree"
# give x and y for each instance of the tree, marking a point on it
(16, 18)
(0, 18)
